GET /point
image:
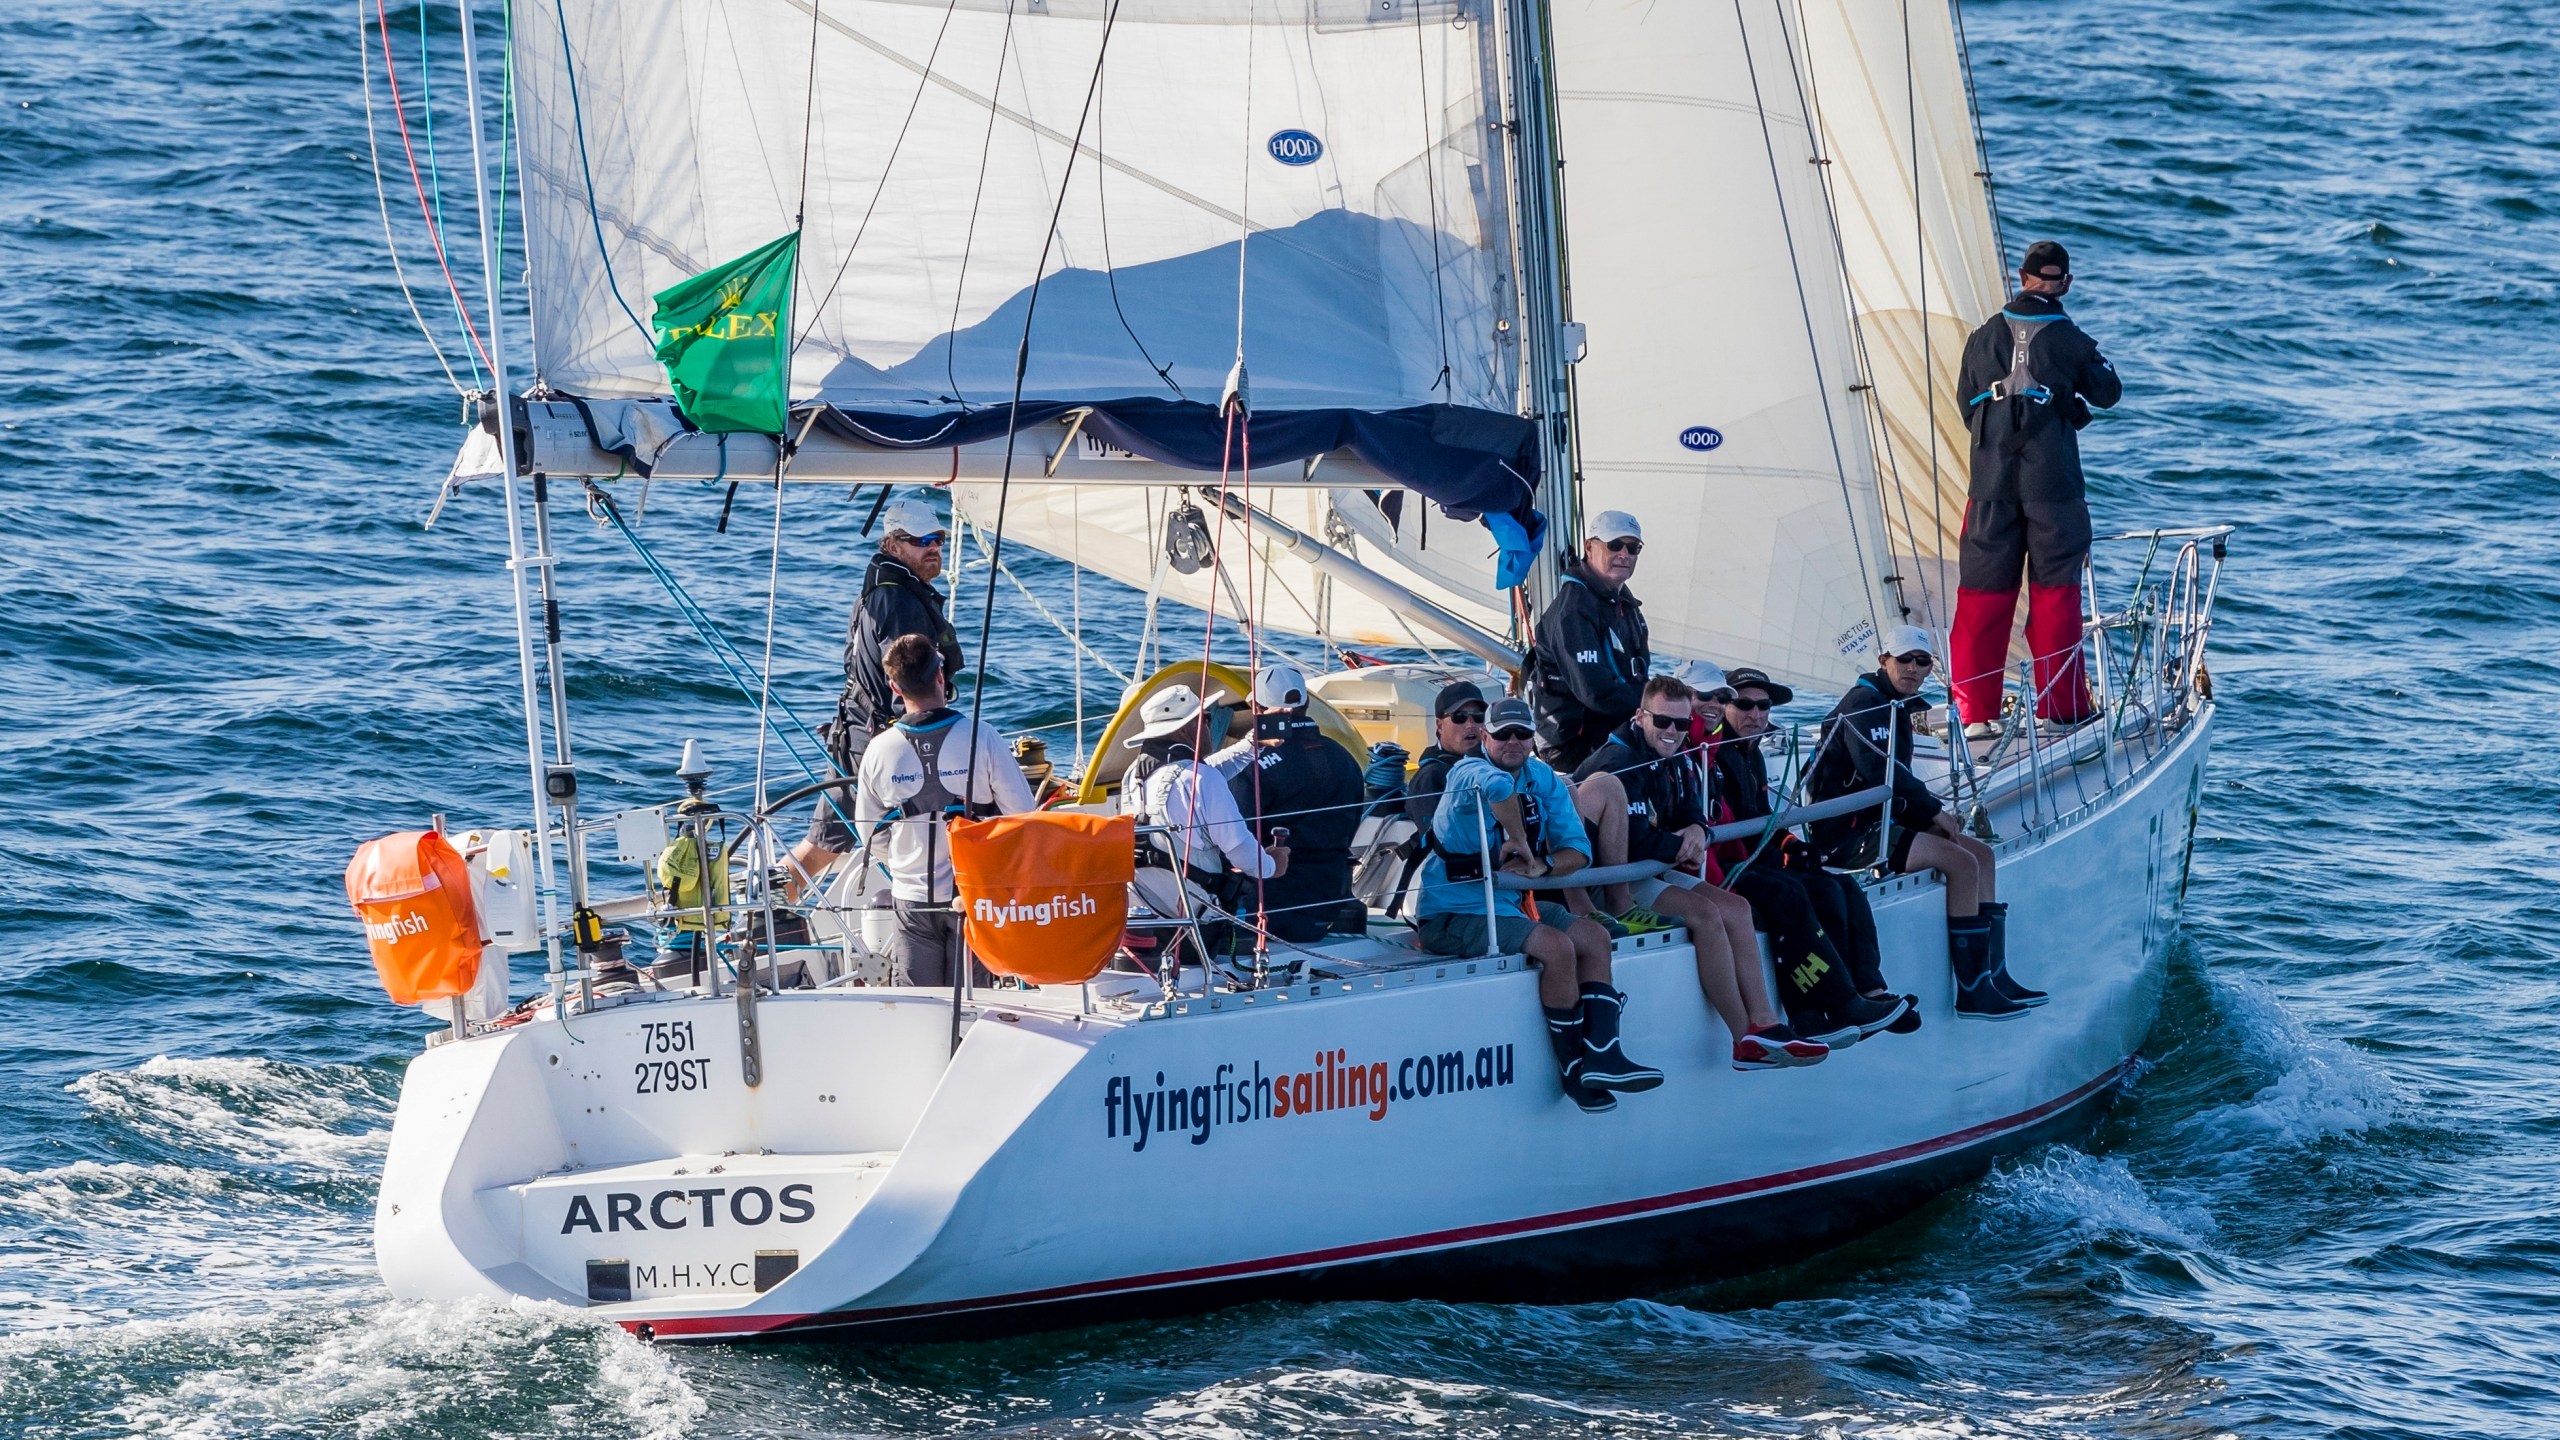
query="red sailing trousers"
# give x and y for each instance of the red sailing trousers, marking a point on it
(2046, 540)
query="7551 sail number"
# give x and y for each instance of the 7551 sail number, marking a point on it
(672, 1038)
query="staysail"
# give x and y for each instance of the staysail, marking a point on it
(1719, 398)
(1922, 254)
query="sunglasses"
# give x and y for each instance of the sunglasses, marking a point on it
(929, 542)
(1921, 658)
(1465, 717)
(1740, 704)
(1624, 547)
(1667, 722)
(1513, 732)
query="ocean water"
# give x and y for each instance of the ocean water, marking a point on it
(2319, 240)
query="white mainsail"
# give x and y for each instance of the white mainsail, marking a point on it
(1345, 143)
(1717, 400)
(1922, 255)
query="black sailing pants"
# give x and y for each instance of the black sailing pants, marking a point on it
(1812, 976)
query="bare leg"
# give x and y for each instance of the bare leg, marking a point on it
(1591, 952)
(1986, 869)
(1729, 975)
(1716, 971)
(1601, 801)
(1559, 983)
(809, 860)
(1956, 864)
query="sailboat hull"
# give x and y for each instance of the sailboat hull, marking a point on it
(1391, 1131)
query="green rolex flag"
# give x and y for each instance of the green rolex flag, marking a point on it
(725, 338)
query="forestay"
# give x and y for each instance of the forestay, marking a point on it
(1344, 144)
(1716, 402)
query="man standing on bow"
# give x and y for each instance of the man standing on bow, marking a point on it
(2030, 376)
(1592, 653)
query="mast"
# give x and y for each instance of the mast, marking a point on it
(1533, 126)
(518, 563)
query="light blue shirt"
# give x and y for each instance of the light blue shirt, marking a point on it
(1476, 785)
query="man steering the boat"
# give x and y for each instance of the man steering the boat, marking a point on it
(913, 779)
(1291, 782)
(1866, 743)
(2030, 375)
(1593, 653)
(1506, 809)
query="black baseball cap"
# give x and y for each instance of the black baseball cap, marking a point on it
(1453, 695)
(1743, 675)
(2046, 260)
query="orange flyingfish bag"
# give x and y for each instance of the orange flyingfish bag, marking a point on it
(1045, 895)
(413, 892)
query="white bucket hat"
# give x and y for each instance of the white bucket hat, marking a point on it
(1171, 709)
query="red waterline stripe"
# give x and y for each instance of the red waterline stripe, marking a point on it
(717, 1326)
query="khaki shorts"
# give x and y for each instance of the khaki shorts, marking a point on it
(1462, 933)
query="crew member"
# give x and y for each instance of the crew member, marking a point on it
(1204, 835)
(913, 778)
(1507, 808)
(1813, 916)
(1866, 742)
(1297, 786)
(1643, 797)
(1457, 731)
(2030, 375)
(1592, 654)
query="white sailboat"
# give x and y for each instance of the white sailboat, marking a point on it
(1356, 212)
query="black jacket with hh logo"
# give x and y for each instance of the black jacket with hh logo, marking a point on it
(1868, 724)
(1591, 658)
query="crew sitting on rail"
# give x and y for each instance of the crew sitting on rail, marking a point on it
(1866, 739)
(1816, 979)
(1204, 837)
(1592, 652)
(913, 778)
(1741, 778)
(1506, 808)
(1296, 787)
(679, 872)
(1644, 797)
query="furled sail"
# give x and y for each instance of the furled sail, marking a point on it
(1717, 402)
(1315, 184)
(1922, 254)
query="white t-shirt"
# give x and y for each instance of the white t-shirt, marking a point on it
(1192, 801)
(892, 773)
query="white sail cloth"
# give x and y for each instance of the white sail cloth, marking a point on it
(1923, 259)
(1344, 142)
(1717, 401)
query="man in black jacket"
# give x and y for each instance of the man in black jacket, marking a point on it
(1592, 654)
(898, 598)
(1839, 904)
(1866, 742)
(1296, 786)
(2029, 378)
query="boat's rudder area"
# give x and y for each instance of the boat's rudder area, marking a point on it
(621, 1162)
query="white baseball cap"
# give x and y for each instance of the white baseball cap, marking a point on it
(1170, 709)
(910, 515)
(1279, 687)
(1704, 677)
(1903, 639)
(1613, 525)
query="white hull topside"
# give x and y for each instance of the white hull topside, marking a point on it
(1066, 1166)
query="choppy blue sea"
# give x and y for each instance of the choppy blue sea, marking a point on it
(2320, 242)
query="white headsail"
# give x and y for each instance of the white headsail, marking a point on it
(1923, 258)
(1717, 402)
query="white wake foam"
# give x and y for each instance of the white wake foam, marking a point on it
(251, 1109)
(2086, 1196)
(2321, 1086)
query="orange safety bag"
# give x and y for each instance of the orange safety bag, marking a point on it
(1045, 895)
(413, 892)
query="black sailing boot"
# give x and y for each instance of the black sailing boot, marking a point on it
(2001, 980)
(1969, 951)
(1604, 1065)
(1564, 1032)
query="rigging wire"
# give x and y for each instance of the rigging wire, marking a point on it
(435, 178)
(1110, 274)
(969, 240)
(1804, 305)
(1920, 249)
(1981, 146)
(595, 216)
(435, 236)
(923, 78)
(382, 202)
(1021, 366)
(1431, 188)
